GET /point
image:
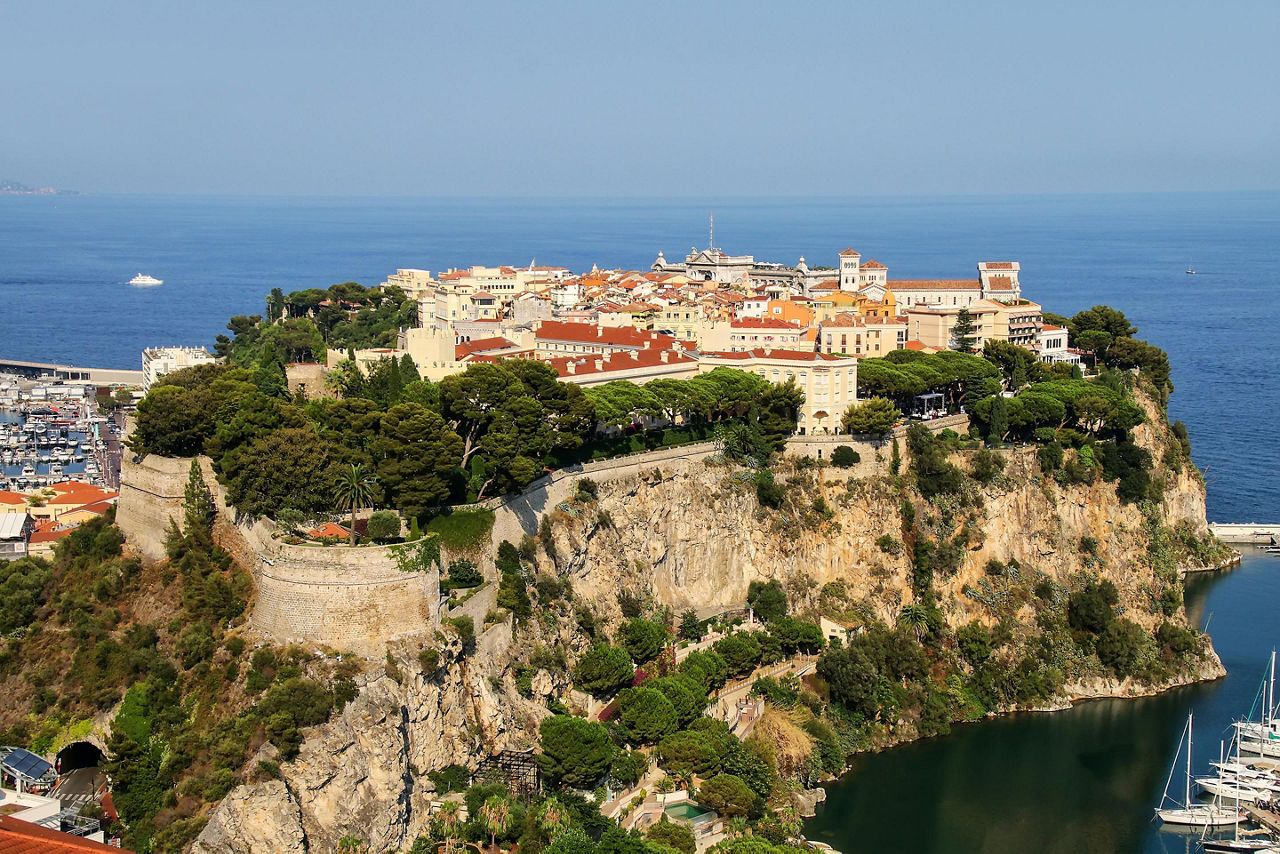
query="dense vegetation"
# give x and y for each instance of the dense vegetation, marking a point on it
(196, 701)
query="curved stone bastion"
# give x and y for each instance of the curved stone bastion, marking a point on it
(351, 599)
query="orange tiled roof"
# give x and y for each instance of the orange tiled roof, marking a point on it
(480, 345)
(13, 498)
(328, 529)
(1000, 283)
(618, 362)
(77, 492)
(24, 837)
(848, 252)
(999, 265)
(873, 264)
(586, 333)
(789, 355)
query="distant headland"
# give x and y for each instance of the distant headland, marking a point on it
(13, 188)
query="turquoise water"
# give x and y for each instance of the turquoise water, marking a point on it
(685, 810)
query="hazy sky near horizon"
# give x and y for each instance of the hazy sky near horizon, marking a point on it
(641, 98)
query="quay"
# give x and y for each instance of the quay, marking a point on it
(1263, 817)
(1237, 532)
(44, 370)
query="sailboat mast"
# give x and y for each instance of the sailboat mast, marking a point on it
(1186, 800)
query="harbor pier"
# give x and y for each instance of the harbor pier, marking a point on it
(70, 373)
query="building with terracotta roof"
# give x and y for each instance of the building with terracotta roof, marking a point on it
(12, 502)
(18, 836)
(554, 338)
(71, 495)
(636, 366)
(829, 383)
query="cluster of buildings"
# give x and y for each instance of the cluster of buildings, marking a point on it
(32, 523)
(681, 318)
(678, 319)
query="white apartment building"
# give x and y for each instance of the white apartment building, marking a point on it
(158, 361)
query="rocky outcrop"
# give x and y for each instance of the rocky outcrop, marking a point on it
(264, 817)
(690, 533)
(362, 774)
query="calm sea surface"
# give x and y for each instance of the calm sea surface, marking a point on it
(1082, 780)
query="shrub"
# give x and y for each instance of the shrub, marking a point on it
(642, 639)
(1120, 646)
(673, 835)
(768, 492)
(1090, 609)
(647, 714)
(384, 525)
(987, 465)
(1050, 457)
(845, 457)
(767, 599)
(889, 544)
(462, 574)
(603, 670)
(466, 629)
(727, 795)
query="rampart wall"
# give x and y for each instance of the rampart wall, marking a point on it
(151, 491)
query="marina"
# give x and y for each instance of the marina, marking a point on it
(53, 432)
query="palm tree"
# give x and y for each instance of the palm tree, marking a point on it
(735, 826)
(684, 779)
(354, 487)
(447, 815)
(495, 816)
(553, 817)
(916, 617)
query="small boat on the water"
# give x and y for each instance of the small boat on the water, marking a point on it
(144, 281)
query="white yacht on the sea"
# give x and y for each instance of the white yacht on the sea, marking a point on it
(144, 281)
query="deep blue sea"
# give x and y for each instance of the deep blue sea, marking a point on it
(1082, 780)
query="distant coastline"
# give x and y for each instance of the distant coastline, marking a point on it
(13, 188)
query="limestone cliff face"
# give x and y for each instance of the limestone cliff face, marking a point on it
(362, 773)
(693, 535)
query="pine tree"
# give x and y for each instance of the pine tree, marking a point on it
(962, 334)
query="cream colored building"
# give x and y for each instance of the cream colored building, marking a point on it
(158, 361)
(1017, 322)
(862, 336)
(829, 383)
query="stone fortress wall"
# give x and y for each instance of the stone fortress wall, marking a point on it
(349, 599)
(356, 599)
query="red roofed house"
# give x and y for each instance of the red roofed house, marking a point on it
(70, 495)
(329, 529)
(747, 333)
(12, 502)
(555, 338)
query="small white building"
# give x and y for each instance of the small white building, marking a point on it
(158, 361)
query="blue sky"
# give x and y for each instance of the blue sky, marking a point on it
(641, 98)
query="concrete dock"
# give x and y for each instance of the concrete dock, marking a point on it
(1240, 532)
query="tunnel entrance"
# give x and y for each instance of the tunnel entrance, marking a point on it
(78, 754)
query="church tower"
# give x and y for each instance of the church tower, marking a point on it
(849, 261)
